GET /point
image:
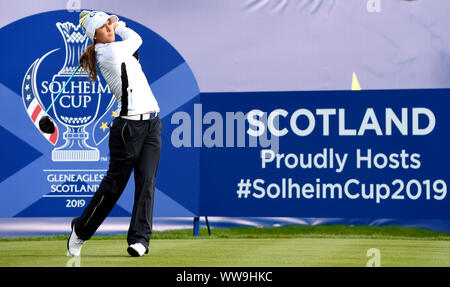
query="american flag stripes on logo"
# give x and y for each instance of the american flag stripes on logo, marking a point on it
(33, 105)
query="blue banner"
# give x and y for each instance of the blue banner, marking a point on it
(352, 154)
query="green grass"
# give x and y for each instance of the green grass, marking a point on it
(331, 245)
(294, 231)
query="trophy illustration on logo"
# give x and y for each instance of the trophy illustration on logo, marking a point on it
(75, 108)
(78, 104)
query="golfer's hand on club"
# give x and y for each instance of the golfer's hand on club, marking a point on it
(119, 24)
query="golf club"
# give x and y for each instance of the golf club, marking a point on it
(46, 124)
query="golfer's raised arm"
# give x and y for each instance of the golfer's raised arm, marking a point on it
(131, 40)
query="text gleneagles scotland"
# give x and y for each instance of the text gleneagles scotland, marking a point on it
(418, 121)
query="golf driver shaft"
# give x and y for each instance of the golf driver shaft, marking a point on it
(62, 89)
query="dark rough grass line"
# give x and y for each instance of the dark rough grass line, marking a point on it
(295, 231)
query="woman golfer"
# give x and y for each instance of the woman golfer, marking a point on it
(135, 135)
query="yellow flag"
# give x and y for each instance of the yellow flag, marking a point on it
(355, 83)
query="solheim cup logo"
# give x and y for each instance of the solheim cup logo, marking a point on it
(78, 105)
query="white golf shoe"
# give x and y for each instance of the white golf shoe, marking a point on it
(74, 243)
(137, 250)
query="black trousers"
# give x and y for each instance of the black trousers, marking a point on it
(133, 145)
